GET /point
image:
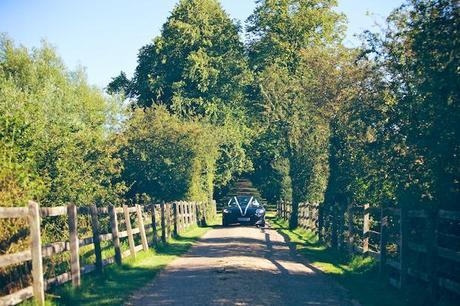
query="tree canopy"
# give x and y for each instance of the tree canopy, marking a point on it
(280, 29)
(291, 107)
(196, 67)
(305, 117)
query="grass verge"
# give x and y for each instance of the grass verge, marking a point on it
(118, 282)
(357, 274)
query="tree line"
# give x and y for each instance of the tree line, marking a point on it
(287, 103)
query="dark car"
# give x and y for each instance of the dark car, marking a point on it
(243, 210)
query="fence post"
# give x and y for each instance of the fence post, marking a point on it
(334, 237)
(284, 211)
(314, 217)
(301, 216)
(289, 211)
(309, 216)
(340, 227)
(304, 215)
(351, 238)
(96, 240)
(140, 222)
(320, 223)
(190, 214)
(36, 252)
(175, 219)
(203, 214)
(431, 248)
(115, 235)
(129, 230)
(214, 208)
(194, 213)
(198, 213)
(163, 226)
(168, 227)
(403, 252)
(154, 225)
(74, 244)
(383, 240)
(366, 230)
(167, 221)
(184, 215)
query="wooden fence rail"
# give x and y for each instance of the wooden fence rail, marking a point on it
(391, 237)
(164, 217)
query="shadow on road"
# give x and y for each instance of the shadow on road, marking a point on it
(239, 265)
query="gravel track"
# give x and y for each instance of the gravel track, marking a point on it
(240, 265)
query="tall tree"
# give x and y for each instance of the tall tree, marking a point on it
(397, 142)
(295, 48)
(280, 29)
(421, 53)
(56, 139)
(196, 67)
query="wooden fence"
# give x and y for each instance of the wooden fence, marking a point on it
(409, 245)
(308, 215)
(284, 210)
(165, 221)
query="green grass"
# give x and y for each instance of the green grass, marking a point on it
(357, 274)
(118, 282)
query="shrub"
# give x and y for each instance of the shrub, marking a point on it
(168, 158)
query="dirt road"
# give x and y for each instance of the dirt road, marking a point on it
(240, 266)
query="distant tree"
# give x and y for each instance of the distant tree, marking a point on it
(120, 83)
(301, 72)
(280, 29)
(196, 67)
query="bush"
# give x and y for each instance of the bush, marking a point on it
(55, 143)
(168, 158)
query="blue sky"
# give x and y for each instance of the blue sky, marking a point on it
(105, 35)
